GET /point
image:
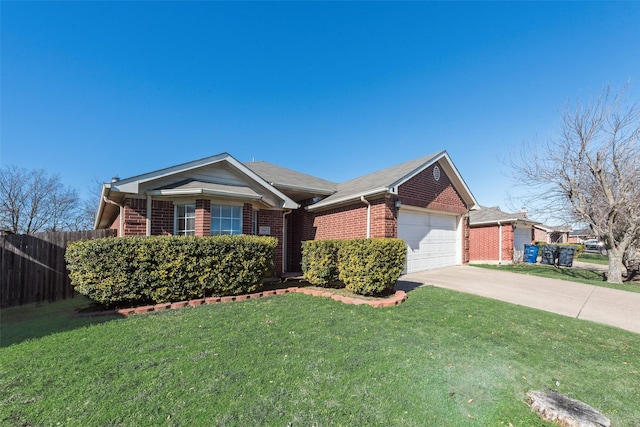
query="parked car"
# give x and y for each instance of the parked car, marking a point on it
(593, 245)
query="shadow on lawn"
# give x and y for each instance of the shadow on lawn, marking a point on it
(35, 321)
(407, 285)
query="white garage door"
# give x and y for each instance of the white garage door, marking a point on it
(432, 240)
(521, 237)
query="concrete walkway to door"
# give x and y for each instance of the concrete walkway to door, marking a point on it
(587, 302)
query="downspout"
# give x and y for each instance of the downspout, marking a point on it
(499, 242)
(366, 202)
(284, 241)
(121, 228)
(148, 233)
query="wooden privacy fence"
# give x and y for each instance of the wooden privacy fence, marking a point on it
(33, 267)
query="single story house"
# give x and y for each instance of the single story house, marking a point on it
(580, 235)
(552, 234)
(423, 201)
(497, 236)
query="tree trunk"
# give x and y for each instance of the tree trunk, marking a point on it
(615, 266)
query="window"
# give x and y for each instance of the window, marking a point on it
(185, 224)
(226, 220)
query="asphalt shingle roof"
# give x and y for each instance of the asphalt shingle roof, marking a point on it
(379, 179)
(275, 174)
(494, 214)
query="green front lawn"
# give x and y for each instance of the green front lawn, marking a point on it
(440, 359)
(590, 277)
(594, 259)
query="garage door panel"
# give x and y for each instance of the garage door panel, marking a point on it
(432, 240)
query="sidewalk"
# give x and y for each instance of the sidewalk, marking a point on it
(587, 302)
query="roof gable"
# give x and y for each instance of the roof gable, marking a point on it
(386, 181)
(227, 171)
(220, 175)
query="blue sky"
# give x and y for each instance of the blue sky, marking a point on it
(92, 90)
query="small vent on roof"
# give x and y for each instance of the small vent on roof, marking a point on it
(115, 178)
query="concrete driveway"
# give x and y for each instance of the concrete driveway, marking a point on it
(587, 302)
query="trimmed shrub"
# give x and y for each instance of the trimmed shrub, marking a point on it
(371, 266)
(320, 262)
(129, 270)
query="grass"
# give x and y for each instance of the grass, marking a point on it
(442, 358)
(594, 259)
(39, 320)
(590, 277)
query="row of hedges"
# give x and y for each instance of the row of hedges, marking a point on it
(157, 269)
(364, 266)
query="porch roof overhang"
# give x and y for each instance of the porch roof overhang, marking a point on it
(114, 193)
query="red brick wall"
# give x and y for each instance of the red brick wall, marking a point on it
(247, 219)
(484, 243)
(135, 221)
(162, 213)
(346, 222)
(203, 218)
(273, 219)
(115, 225)
(540, 235)
(424, 191)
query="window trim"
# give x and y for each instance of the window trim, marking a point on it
(176, 218)
(213, 207)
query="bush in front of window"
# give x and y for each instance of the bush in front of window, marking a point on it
(320, 262)
(117, 272)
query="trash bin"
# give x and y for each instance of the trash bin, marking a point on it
(549, 254)
(530, 253)
(565, 256)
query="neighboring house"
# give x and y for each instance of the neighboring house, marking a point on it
(552, 234)
(423, 201)
(497, 236)
(580, 235)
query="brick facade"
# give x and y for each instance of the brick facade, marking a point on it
(484, 243)
(273, 220)
(344, 222)
(350, 221)
(135, 217)
(162, 222)
(424, 191)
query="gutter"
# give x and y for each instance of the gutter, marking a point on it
(121, 215)
(347, 199)
(500, 242)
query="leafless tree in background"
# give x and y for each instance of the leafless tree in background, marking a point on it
(33, 200)
(591, 172)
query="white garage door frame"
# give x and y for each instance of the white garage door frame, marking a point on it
(521, 237)
(434, 238)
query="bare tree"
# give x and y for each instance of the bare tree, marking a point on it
(33, 200)
(591, 172)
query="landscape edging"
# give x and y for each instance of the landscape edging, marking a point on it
(398, 298)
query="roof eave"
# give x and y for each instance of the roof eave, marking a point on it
(347, 199)
(502, 221)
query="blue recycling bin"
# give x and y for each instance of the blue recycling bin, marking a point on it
(530, 253)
